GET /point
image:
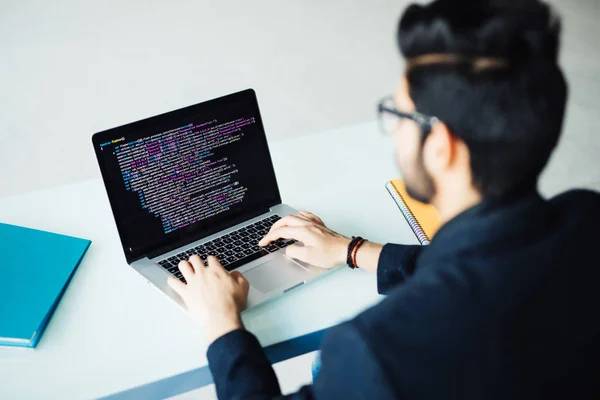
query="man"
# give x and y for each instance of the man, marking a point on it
(503, 303)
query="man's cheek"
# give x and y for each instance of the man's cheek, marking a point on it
(401, 165)
(397, 160)
(401, 157)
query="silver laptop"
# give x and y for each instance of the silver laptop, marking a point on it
(199, 180)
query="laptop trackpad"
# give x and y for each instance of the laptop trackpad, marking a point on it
(278, 273)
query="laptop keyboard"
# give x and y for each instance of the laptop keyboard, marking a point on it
(233, 250)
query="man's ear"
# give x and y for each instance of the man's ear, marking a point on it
(439, 149)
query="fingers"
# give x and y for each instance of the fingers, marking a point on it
(176, 285)
(186, 270)
(278, 224)
(269, 237)
(197, 263)
(287, 232)
(312, 217)
(298, 252)
(304, 218)
(290, 220)
(239, 278)
(214, 265)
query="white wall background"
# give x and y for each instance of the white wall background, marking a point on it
(69, 68)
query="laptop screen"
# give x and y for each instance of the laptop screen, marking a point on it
(177, 177)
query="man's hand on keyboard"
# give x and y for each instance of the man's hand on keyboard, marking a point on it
(322, 248)
(213, 296)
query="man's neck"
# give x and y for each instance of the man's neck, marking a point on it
(451, 202)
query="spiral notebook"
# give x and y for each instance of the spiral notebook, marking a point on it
(423, 219)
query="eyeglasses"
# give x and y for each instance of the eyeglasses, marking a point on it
(389, 117)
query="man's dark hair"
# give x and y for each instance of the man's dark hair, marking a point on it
(509, 113)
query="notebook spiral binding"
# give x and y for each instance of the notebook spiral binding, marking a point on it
(408, 215)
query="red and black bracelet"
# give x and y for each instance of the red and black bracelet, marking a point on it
(355, 243)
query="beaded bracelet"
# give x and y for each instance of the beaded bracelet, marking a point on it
(355, 243)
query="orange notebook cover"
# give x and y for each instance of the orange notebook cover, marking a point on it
(422, 218)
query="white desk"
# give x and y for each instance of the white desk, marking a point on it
(112, 331)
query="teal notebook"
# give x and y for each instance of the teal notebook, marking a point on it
(35, 269)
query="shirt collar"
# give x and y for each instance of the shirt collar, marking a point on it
(489, 221)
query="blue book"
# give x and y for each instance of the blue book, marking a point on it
(35, 270)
